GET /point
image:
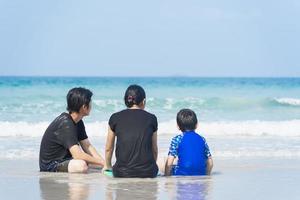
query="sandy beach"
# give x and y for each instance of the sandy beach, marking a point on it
(245, 176)
(232, 179)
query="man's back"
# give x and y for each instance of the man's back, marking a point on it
(61, 134)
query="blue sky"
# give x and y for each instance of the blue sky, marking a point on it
(150, 38)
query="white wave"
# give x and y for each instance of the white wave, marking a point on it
(31, 153)
(109, 102)
(169, 104)
(241, 128)
(223, 128)
(23, 154)
(37, 129)
(288, 101)
(257, 153)
(22, 129)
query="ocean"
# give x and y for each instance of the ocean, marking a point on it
(239, 117)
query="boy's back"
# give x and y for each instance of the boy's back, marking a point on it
(192, 155)
(191, 149)
(192, 152)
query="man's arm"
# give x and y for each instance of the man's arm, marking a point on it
(209, 165)
(78, 154)
(154, 145)
(169, 164)
(90, 149)
(109, 148)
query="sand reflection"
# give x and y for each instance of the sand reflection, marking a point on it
(67, 187)
(132, 189)
(182, 188)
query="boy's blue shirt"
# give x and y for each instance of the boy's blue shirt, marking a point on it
(192, 152)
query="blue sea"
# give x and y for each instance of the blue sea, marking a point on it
(239, 116)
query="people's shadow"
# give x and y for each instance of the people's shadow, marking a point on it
(182, 188)
(66, 187)
(124, 189)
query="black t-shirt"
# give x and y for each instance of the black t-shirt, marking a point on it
(61, 134)
(134, 155)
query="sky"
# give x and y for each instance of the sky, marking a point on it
(150, 38)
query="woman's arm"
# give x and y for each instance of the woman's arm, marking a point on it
(154, 145)
(109, 148)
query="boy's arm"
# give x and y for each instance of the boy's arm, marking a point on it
(168, 165)
(209, 165)
(209, 161)
(90, 149)
(173, 153)
(109, 148)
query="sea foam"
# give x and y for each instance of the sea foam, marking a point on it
(288, 128)
(288, 101)
(31, 153)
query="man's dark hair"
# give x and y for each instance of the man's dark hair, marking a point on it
(186, 120)
(134, 95)
(77, 97)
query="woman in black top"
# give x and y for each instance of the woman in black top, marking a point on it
(136, 133)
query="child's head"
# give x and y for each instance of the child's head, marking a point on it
(187, 120)
(134, 95)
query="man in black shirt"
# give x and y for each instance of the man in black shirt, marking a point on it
(65, 146)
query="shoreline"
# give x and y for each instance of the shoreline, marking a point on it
(231, 179)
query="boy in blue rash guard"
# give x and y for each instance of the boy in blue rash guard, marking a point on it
(190, 148)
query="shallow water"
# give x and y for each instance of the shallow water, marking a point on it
(229, 147)
(232, 179)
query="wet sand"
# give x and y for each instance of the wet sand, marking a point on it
(231, 179)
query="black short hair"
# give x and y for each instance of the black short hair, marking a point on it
(186, 120)
(77, 97)
(134, 95)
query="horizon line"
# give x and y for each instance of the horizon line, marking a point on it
(125, 76)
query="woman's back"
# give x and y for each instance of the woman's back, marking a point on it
(134, 129)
